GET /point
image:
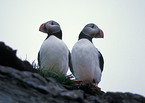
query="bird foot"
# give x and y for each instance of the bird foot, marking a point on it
(96, 86)
(78, 80)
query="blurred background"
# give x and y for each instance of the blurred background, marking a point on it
(123, 23)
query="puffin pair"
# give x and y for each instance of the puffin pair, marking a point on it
(85, 60)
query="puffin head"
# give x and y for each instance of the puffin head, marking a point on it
(91, 30)
(51, 28)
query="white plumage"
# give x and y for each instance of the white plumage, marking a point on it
(54, 54)
(85, 61)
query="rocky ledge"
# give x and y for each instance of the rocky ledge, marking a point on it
(20, 83)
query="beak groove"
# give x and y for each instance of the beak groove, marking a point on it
(101, 34)
(41, 28)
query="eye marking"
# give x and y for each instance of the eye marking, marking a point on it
(95, 32)
(98, 31)
(47, 28)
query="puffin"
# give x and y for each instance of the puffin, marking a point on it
(53, 54)
(87, 61)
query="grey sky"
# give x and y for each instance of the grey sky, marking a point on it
(122, 21)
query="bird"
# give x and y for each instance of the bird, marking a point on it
(87, 61)
(54, 53)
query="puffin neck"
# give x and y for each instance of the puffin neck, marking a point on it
(58, 35)
(82, 35)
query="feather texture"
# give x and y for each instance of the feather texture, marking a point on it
(54, 54)
(85, 61)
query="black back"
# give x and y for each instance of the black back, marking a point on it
(82, 35)
(101, 61)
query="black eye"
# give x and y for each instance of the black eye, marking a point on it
(52, 23)
(93, 26)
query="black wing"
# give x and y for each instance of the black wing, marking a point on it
(101, 61)
(38, 58)
(70, 63)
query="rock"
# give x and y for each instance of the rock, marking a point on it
(8, 58)
(20, 83)
(119, 97)
(73, 95)
(27, 87)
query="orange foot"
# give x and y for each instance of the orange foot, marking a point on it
(78, 80)
(96, 85)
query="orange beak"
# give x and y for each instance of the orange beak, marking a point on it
(101, 34)
(41, 28)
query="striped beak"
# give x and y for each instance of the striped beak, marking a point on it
(99, 34)
(43, 28)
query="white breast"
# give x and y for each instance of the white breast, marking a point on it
(54, 54)
(85, 61)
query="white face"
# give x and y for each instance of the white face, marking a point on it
(53, 26)
(91, 30)
(50, 27)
